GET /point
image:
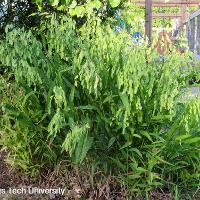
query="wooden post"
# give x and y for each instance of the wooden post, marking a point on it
(183, 14)
(148, 20)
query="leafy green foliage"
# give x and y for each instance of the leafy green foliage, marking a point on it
(76, 7)
(90, 95)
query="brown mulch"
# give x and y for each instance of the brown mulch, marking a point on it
(77, 184)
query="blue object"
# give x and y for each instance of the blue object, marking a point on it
(136, 35)
(121, 24)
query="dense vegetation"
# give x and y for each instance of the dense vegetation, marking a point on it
(90, 96)
(72, 88)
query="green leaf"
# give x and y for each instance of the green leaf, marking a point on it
(125, 101)
(136, 151)
(111, 142)
(135, 176)
(163, 161)
(146, 134)
(182, 137)
(192, 140)
(62, 7)
(55, 3)
(77, 11)
(93, 4)
(73, 4)
(127, 144)
(67, 2)
(114, 3)
(83, 147)
(97, 4)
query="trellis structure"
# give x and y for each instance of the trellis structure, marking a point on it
(148, 4)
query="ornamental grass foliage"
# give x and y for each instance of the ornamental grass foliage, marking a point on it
(90, 96)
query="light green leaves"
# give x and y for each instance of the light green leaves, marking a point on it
(39, 4)
(59, 97)
(80, 10)
(56, 124)
(84, 145)
(55, 3)
(187, 139)
(77, 143)
(125, 102)
(73, 4)
(182, 137)
(77, 11)
(91, 5)
(94, 4)
(114, 3)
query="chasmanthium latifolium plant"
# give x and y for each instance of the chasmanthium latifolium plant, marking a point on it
(91, 95)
